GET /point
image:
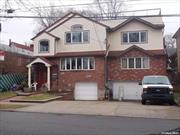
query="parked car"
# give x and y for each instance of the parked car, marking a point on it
(157, 88)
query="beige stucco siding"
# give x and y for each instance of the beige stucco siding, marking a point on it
(155, 37)
(51, 43)
(97, 36)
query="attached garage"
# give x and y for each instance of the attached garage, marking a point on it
(127, 91)
(86, 91)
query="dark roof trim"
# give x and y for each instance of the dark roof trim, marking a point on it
(61, 23)
(177, 33)
(155, 26)
(51, 25)
(52, 35)
(74, 54)
(73, 14)
(134, 47)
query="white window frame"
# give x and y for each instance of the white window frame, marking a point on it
(128, 37)
(82, 37)
(127, 59)
(76, 69)
(39, 46)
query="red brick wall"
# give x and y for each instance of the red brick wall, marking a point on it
(14, 63)
(157, 67)
(67, 79)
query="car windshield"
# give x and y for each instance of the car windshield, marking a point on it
(156, 80)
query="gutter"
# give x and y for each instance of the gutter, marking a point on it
(107, 90)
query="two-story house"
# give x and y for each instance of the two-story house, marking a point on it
(84, 55)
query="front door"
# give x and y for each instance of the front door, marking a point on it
(41, 74)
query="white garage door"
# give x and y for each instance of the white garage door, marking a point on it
(127, 90)
(86, 91)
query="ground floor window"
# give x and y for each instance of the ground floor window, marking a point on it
(77, 63)
(135, 63)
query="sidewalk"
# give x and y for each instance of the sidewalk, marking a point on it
(127, 109)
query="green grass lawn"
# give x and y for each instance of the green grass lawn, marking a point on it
(41, 96)
(6, 94)
(11, 106)
(177, 96)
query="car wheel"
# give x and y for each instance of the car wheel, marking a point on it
(143, 101)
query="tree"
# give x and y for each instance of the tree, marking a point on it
(169, 41)
(110, 9)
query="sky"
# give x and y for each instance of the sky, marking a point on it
(21, 30)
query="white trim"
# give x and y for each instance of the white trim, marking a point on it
(39, 46)
(127, 58)
(38, 60)
(128, 37)
(82, 68)
(82, 37)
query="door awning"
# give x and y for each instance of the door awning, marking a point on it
(45, 61)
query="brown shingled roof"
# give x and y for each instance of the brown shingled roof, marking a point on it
(22, 46)
(148, 52)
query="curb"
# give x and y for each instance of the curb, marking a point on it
(11, 110)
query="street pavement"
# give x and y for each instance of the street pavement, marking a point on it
(105, 108)
(21, 123)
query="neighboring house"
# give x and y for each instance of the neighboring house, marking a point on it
(84, 55)
(177, 37)
(13, 60)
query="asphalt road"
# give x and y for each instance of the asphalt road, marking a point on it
(20, 123)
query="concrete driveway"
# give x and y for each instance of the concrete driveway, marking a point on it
(129, 109)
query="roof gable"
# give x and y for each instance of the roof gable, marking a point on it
(131, 19)
(134, 47)
(177, 33)
(67, 17)
(43, 60)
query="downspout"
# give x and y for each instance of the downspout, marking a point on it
(106, 71)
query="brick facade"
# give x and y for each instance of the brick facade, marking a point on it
(62, 80)
(14, 63)
(157, 67)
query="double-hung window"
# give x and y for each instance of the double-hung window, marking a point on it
(44, 46)
(77, 63)
(134, 37)
(135, 63)
(77, 35)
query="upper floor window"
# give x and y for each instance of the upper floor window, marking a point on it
(135, 63)
(77, 35)
(44, 46)
(134, 37)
